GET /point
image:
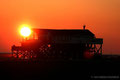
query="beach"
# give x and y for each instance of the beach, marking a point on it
(35, 70)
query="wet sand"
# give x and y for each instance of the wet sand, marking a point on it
(35, 70)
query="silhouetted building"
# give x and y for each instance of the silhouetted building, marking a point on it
(59, 44)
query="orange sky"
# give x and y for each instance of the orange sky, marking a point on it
(102, 17)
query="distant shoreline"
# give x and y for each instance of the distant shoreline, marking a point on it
(5, 53)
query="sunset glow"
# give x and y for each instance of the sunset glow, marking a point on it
(102, 17)
(25, 31)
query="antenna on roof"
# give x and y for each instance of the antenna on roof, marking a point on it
(84, 27)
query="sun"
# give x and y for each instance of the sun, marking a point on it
(25, 31)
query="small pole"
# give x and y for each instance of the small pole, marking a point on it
(84, 27)
(33, 35)
(22, 39)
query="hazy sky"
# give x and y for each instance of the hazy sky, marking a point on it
(102, 17)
